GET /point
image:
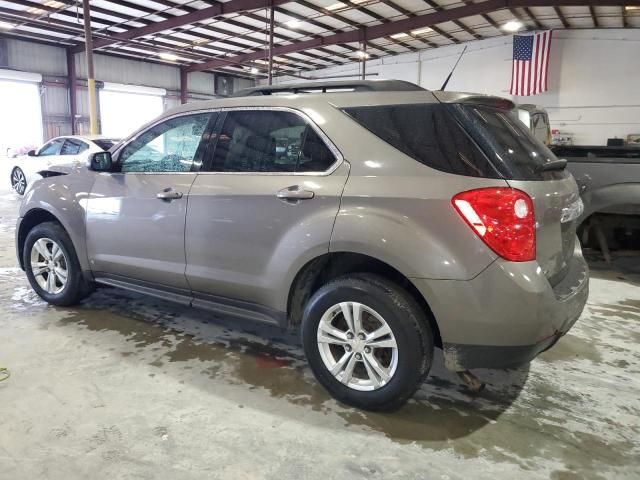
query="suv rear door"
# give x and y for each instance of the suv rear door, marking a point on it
(264, 205)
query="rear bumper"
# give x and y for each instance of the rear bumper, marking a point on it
(507, 315)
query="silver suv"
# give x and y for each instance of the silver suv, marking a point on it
(380, 219)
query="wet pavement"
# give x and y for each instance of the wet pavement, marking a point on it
(126, 386)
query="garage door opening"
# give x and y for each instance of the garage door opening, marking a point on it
(125, 108)
(21, 114)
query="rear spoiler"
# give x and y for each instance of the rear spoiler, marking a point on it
(475, 99)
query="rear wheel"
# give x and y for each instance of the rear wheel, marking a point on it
(18, 181)
(367, 341)
(52, 266)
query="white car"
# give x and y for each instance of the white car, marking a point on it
(57, 151)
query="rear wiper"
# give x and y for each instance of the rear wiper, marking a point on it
(553, 165)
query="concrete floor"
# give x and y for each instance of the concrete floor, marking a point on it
(131, 387)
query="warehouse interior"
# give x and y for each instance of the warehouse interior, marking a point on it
(129, 385)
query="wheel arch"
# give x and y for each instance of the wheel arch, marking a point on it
(326, 267)
(31, 219)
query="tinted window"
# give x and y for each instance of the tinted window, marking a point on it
(73, 146)
(51, 148)
(427, 133)
(269, 141)
(170, 146)
(515, 152)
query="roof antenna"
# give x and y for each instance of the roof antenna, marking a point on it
(444, 85)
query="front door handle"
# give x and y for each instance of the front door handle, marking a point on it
(168, 194)
(294, 192)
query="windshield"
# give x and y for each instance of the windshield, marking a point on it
(512, 148)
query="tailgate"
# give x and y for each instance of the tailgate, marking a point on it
(557, 206)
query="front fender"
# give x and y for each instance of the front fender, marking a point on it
(64, 197)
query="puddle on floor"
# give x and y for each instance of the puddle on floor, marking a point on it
(503, 424)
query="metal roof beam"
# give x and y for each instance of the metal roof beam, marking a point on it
(421, 21)
(561, 16)
(232, 6)
(594, 17)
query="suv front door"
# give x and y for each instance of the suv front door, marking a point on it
(264, 206)
(136, 214)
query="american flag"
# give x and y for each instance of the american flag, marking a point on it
(530, 69)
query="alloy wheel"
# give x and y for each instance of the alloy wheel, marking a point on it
(18, 181)
(49, 265)
(357, 346)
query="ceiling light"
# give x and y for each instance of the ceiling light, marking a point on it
(421, 31)
(632, 8)
(282, 60)
(512, 26)
(54, 4)
(6, 25)
(293, 23)
(334, 7)
(200, 41)
(35, 11)
(168, 56)
(254, 70)
(398, 36)
(362, 54)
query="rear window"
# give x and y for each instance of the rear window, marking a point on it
(104, 143)
(513, 150)
(428, 133)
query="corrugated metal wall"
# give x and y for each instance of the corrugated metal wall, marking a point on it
(51, 62)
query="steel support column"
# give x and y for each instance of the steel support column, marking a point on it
(91, 79)
(183, 86)
(72, 81)
(271, 23)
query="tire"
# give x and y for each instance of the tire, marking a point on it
(66, 293)
(18, 181)
(409, 329)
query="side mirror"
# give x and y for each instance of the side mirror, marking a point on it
(31, 153)
(100, 162)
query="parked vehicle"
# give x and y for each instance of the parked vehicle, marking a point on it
(536, 119)
(380, 219)
(609, 182)
(57, 151)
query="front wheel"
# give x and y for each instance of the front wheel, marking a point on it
(367, 341)
(52, 266)
(18, 181)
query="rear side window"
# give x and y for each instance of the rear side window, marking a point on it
(269, 141)
(73, 146)
(427, 133)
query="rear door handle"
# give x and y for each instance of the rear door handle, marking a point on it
(168, 194)
(294, 192)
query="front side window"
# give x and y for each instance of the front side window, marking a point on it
(51, 148)
(73, 146)
(170, 146)
(269, 141)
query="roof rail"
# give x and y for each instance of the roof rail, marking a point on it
(331, 87)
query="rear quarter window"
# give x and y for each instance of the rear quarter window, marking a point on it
(510, 145)
(429, 134)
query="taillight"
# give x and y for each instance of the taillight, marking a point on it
(503, 218)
